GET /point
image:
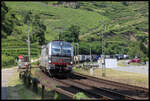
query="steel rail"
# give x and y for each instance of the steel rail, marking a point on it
(99, 80)
(57, 89)
(97, 95)
(146, 90)
(107, 91)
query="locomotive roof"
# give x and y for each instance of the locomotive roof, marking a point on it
(57, 40)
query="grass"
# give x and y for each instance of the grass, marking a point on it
(119, 76)
(121, 63)
(54, 17)
(80, 95)
(120, 15)
(16, 89)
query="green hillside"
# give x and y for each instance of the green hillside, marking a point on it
(125, 24)
(11, 48)
(133, 18)
(55, 17)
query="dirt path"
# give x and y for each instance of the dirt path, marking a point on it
(6, 74)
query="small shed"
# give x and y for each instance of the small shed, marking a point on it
(111, 63)
(20, 57)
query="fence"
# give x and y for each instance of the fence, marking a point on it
(31, 81)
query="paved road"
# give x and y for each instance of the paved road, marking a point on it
(142, 69)
(6, 74)
(134, 69)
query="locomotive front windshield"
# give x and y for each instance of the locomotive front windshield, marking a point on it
(61, 48)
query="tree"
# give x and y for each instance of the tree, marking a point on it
(71, 34)
(38, 30)
(4, 10)
(27, 17)
(144, 52)
(125, 3)
(9, 20)
(75, 30)
(66, 36)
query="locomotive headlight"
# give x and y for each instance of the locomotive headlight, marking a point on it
(71, 62)
(49, 61)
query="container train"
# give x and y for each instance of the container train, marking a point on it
(84, 58)
(57, 58)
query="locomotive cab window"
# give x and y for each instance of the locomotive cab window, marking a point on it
(66, 49)
(61, 48)
(56, 50)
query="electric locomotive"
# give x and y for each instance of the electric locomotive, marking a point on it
(57, 58)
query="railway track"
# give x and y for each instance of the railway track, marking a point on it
(58, 86)
(124, 89)
(67, 88)
(97, 92)
(94, 88)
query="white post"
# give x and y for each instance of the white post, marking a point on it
(91, 71)
(90, 55)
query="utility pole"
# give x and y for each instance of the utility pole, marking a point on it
(78, 48)
(91, 68)
(75, 52)
(60, 31)
(59, 35)
(28, 41)
(103, 53)
(78, 52)
(90, 55)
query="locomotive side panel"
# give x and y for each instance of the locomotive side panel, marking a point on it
(46, 57)
(42, 57)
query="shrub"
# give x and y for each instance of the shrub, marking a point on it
(8, 60)
(80, 95)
